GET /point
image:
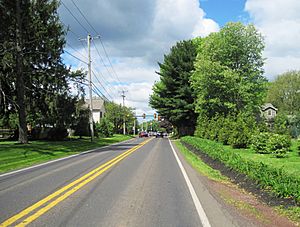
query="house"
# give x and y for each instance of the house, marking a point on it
(98, 108)
(269, 111)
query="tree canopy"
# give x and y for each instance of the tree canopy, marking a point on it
(284, 92)
(228, 76)
(173, 97)
(34, 82)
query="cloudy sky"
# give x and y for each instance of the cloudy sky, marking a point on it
(137, 33)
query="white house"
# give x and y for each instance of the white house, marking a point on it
(269, 111)
(98, 108)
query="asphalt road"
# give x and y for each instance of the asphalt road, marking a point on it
(143, 187)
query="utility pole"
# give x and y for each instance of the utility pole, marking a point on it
(123, 96)
(89, 38)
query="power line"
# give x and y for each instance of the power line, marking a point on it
(76, 51)
(84, 17)
(101, 84)
(93, 28)
(67, 52)
(74, 16)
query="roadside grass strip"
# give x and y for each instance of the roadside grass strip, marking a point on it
(15, 156)
(42, 206)
(199, 165)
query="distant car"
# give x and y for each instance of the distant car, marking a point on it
(143, 134)
(159, 134)
(165, 134)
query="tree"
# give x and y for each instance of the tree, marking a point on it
(228, 71)
(173, 97)
(115, 114)
(33, 78)
(105, 127)
(284, 92)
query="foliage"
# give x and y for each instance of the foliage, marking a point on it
(259, 142)
(284, 92)
(242, 129)
(279, 181)
(81, 125)
(228, 71)
(39, 72)
(232, 130)
(173, 97)
(105, 128)
(115, 114)
(281, 124)
(279, 145)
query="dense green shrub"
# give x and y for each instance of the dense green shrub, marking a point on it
(44, 133)
(105, 128)
(202, 124)
(283, 184)
(242, 130)
(259, 142)
(280, 145)
(226, 130)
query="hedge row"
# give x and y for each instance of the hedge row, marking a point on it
(281, 183)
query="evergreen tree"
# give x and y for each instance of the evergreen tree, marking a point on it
(34, 81)
(173, 96)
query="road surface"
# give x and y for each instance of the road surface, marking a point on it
(134, 183)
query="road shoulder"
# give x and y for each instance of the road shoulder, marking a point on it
(227, 201)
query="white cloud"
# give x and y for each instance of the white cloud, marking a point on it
(137, 34)
(279, 22)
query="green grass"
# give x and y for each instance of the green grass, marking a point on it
(291, 164)
(15, 156)
(199, 165)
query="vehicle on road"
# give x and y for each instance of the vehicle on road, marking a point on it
(143, 134)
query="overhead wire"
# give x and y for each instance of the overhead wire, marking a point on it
(93, 28)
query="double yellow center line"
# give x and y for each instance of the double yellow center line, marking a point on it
(42, 206)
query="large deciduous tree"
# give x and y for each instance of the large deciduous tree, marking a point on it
(228, 75)
(173, 97)
(284, 92)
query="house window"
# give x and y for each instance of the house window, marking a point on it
(100, 114)
(270, 112)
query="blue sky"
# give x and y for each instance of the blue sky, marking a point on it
(223, 11)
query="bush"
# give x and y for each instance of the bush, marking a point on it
(280, 145)
(241, 132)
(105, 128)
(55, 134)
(259, 142)
(283, 184)
(226, 130)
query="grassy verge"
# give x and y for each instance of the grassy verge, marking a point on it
(293, 212)
(15, 156)
(199, 165)
(290, 164)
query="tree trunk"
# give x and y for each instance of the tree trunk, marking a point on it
(23, 138)
(186, 130)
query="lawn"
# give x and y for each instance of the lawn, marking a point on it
(15, 156)
(290, 164)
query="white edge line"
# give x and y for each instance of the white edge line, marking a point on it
(199, 208)
(58, 160)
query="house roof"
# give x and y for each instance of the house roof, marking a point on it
(98, 103)
(268, 106)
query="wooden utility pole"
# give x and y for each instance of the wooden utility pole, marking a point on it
(124, 117)
(88, 39)
(23, 138)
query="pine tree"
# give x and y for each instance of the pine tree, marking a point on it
(173, 96)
